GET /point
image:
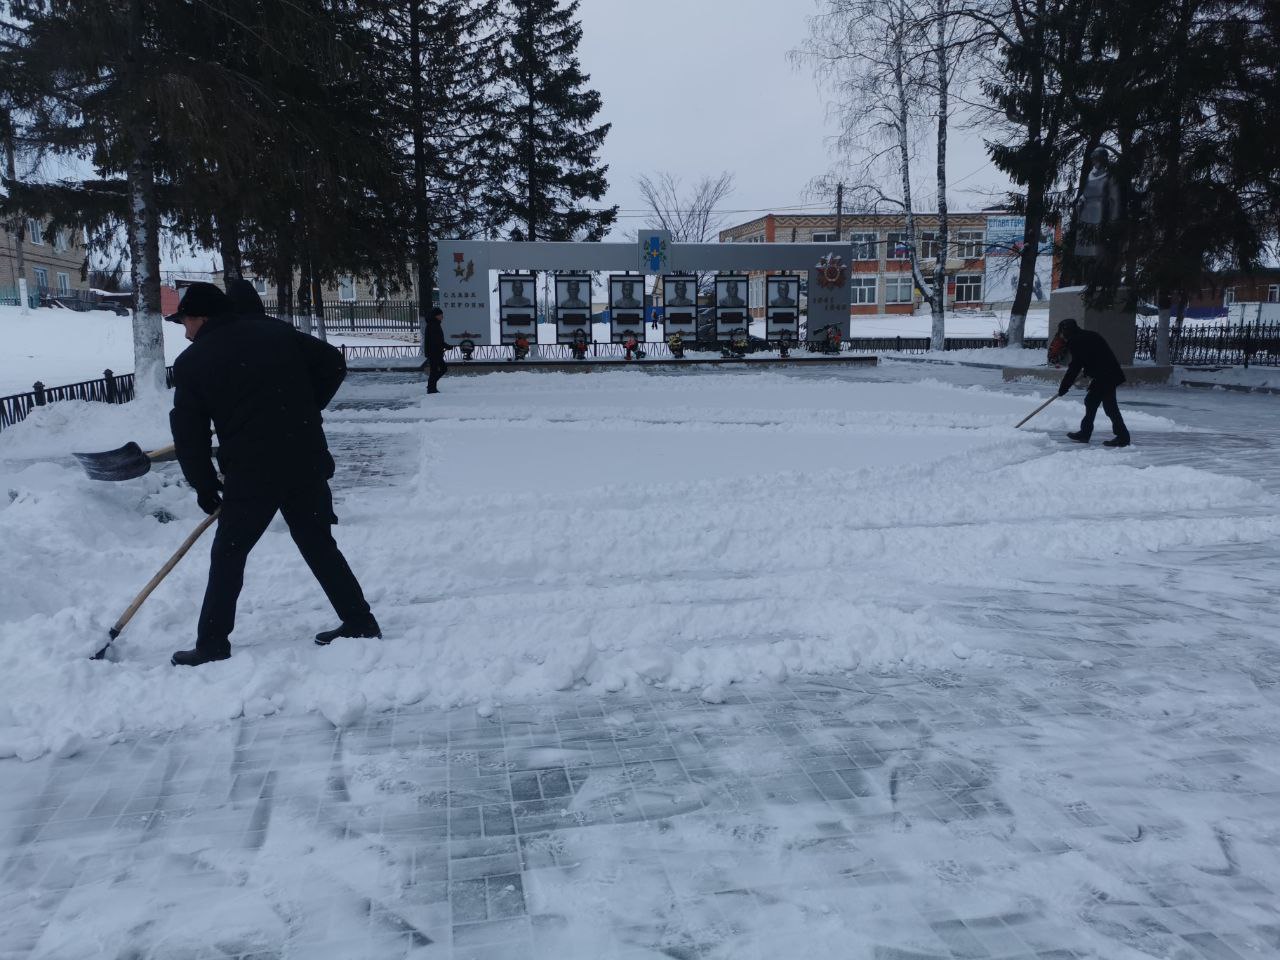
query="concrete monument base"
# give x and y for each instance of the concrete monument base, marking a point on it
(1118, 327)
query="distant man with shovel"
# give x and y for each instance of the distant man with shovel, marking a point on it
(1092, 354)
(263, 385)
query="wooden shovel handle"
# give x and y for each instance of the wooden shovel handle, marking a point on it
(1036, 410)
(164, 453)
(164, 572)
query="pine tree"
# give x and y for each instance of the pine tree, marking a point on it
(444, 57)
(553, 146)
(1039, 44)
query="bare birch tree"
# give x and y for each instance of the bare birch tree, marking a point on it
(888, 66)
(693, 215)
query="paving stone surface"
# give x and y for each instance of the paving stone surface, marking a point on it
(1092, 803)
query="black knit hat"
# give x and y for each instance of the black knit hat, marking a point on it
(1068, 327)
(202, 300)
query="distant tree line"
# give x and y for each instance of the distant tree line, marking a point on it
(1183, 95)
(301, 139)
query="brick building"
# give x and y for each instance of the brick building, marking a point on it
(347, 290)
(1259, 286)
(53, 261)
(981, 264)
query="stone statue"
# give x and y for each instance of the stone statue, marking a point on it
(1097, 207)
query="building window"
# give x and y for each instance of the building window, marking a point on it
(755, 292)
(347, 289)
(61, 241)
(899, 289)
(35, 231)
(862, 289)
(898, 248)
(1273, 293)
(864, 246)
(260, 284)
(969, 244)
(42, 279)
(928, 246)
(1229, 297)
(64, 284)
(969, 288)
(827, 237)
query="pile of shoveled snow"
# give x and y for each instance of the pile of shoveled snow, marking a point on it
(531, 533)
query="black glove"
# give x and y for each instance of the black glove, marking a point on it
(1062, 391)
(209, 500)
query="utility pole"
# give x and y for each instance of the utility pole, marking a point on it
(839, 211)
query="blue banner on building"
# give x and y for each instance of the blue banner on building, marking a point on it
(1004, 236)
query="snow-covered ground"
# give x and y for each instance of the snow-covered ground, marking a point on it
(65, 346)
(523, 532)
(1235, 376)
(755, 664)
(976, 323)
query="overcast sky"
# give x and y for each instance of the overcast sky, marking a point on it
(700, 86)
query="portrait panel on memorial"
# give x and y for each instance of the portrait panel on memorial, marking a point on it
(573, 307)
(516, 292)
(573, 293)
(731, 305)
(626, 307)
(680, 305)
(517, 307)
(782, 306)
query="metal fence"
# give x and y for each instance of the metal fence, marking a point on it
(109, 388)
(362, 316)
(1215, 344)
(661, 351)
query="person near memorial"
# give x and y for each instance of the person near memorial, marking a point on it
(263, 386)
(434, 347)
(1092, 355)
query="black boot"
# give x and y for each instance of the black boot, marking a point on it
(365, 627)
(1079, 436)
(193, 658)
(1116, 442)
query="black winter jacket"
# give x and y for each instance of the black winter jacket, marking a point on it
(263, 385)
(435, 345)
(1092, 354)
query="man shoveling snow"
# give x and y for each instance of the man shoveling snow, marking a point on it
(263, 385)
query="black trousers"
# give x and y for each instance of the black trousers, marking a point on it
(307, 508)
(1104, 395)
(435, 370)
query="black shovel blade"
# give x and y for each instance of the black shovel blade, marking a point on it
(123, 464)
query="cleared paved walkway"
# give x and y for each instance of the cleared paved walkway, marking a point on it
(1116, 794)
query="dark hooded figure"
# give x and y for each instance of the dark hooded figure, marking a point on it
(434, 347)
(1093, 355)
(262, 384)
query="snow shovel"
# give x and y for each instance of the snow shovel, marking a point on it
(155, 581)
(124, 463)
(1036, 410)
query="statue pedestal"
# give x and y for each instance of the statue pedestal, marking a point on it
(1118, 327)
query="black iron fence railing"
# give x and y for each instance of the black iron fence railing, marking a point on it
(1215, 344)
(661, 351)
(109, 388)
